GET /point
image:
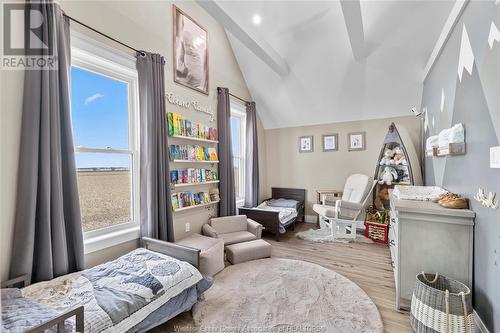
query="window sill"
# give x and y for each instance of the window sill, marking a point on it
(97, 243)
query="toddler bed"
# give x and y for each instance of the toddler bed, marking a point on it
(280, 212)
(133, 293)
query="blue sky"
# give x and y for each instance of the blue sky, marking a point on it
(100, 117)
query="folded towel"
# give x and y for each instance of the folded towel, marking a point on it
(432, 142)
(457, 134)
(444, 137)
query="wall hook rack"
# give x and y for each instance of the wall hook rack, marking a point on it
(487, 201)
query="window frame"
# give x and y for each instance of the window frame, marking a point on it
(238, 110)
(101, 59)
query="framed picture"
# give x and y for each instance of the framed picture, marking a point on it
(356, 141)
(190, 52)
(306, 144)
(330, 142)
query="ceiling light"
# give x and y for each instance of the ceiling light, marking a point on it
(256, 19)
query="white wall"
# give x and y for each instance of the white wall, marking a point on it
(144, 25)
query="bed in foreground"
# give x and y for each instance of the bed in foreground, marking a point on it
(280, 212)
(133, 293)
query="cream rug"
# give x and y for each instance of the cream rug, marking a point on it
(323, 235)
(283, 295)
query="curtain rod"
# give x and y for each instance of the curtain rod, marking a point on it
(103, 34)
(241, 99)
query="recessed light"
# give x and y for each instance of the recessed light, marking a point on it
(256, 19)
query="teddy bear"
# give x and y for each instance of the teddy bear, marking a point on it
(399, 157)
(382, 195)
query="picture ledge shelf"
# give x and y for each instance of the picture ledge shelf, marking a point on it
(193, 138)
(195, 161)
(194, 184)
(196, 206)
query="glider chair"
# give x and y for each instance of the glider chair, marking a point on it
(341, 215)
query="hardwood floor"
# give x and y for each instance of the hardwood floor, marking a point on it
(367, 265)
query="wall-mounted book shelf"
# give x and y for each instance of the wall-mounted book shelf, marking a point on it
(196, 206)
(194, 184)
(194, 161)
(193, 138)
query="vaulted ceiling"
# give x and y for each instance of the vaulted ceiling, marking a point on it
(312, 62)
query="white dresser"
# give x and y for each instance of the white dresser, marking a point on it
(424, 236)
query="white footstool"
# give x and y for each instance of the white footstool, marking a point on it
(246, 251)
(212, 252)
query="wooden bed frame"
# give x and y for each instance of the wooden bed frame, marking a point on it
(270, 220)
(180, 252)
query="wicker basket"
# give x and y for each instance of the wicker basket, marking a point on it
(441, 304)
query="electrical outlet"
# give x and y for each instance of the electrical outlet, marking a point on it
(188, 227)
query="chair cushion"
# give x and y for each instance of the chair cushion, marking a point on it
(324, 210)
(356, 188)
(237, 237)
(247, 251)
(229, 223)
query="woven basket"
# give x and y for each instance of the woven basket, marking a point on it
(440, 304)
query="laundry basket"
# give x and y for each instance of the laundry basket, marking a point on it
(440, 304)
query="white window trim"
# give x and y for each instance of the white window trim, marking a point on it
(238, 110)
(98, 57)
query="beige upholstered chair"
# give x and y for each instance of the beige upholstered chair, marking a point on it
(341, 215)
(233, 229)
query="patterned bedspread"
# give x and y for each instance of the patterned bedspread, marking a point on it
(119, 294)
(285, 214)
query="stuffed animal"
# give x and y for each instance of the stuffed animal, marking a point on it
(382, 195)
(399, 157)
(388, 157)
(388, 176)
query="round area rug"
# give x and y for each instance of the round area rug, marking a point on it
(282, 295)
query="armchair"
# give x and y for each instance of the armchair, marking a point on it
(233, 229)
(340, 215)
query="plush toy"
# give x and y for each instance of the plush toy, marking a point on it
(388, 157)
(399, 157)
(382, 195)
(388, 176)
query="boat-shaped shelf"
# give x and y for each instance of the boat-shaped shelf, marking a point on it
(391, 141)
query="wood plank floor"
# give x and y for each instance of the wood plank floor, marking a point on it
(367, 265)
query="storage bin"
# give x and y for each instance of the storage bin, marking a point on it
(440, 304)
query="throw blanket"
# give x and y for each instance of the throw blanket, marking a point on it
(285, 214)
(119, 294)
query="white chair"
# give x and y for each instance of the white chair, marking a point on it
(341, 215)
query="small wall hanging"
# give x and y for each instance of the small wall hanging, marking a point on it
(488, 202)
(306, 144)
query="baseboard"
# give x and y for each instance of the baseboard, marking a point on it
(310, 218)
(479, 323)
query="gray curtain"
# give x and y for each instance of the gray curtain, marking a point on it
(227, 206)
(155, 201)
(48, 240)
(252, 158)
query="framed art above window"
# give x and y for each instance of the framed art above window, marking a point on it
(356, 141)
(330, 142)
(190, 52)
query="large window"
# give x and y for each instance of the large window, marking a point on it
(238, 126)
(104, 119)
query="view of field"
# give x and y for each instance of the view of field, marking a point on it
(104, 198)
